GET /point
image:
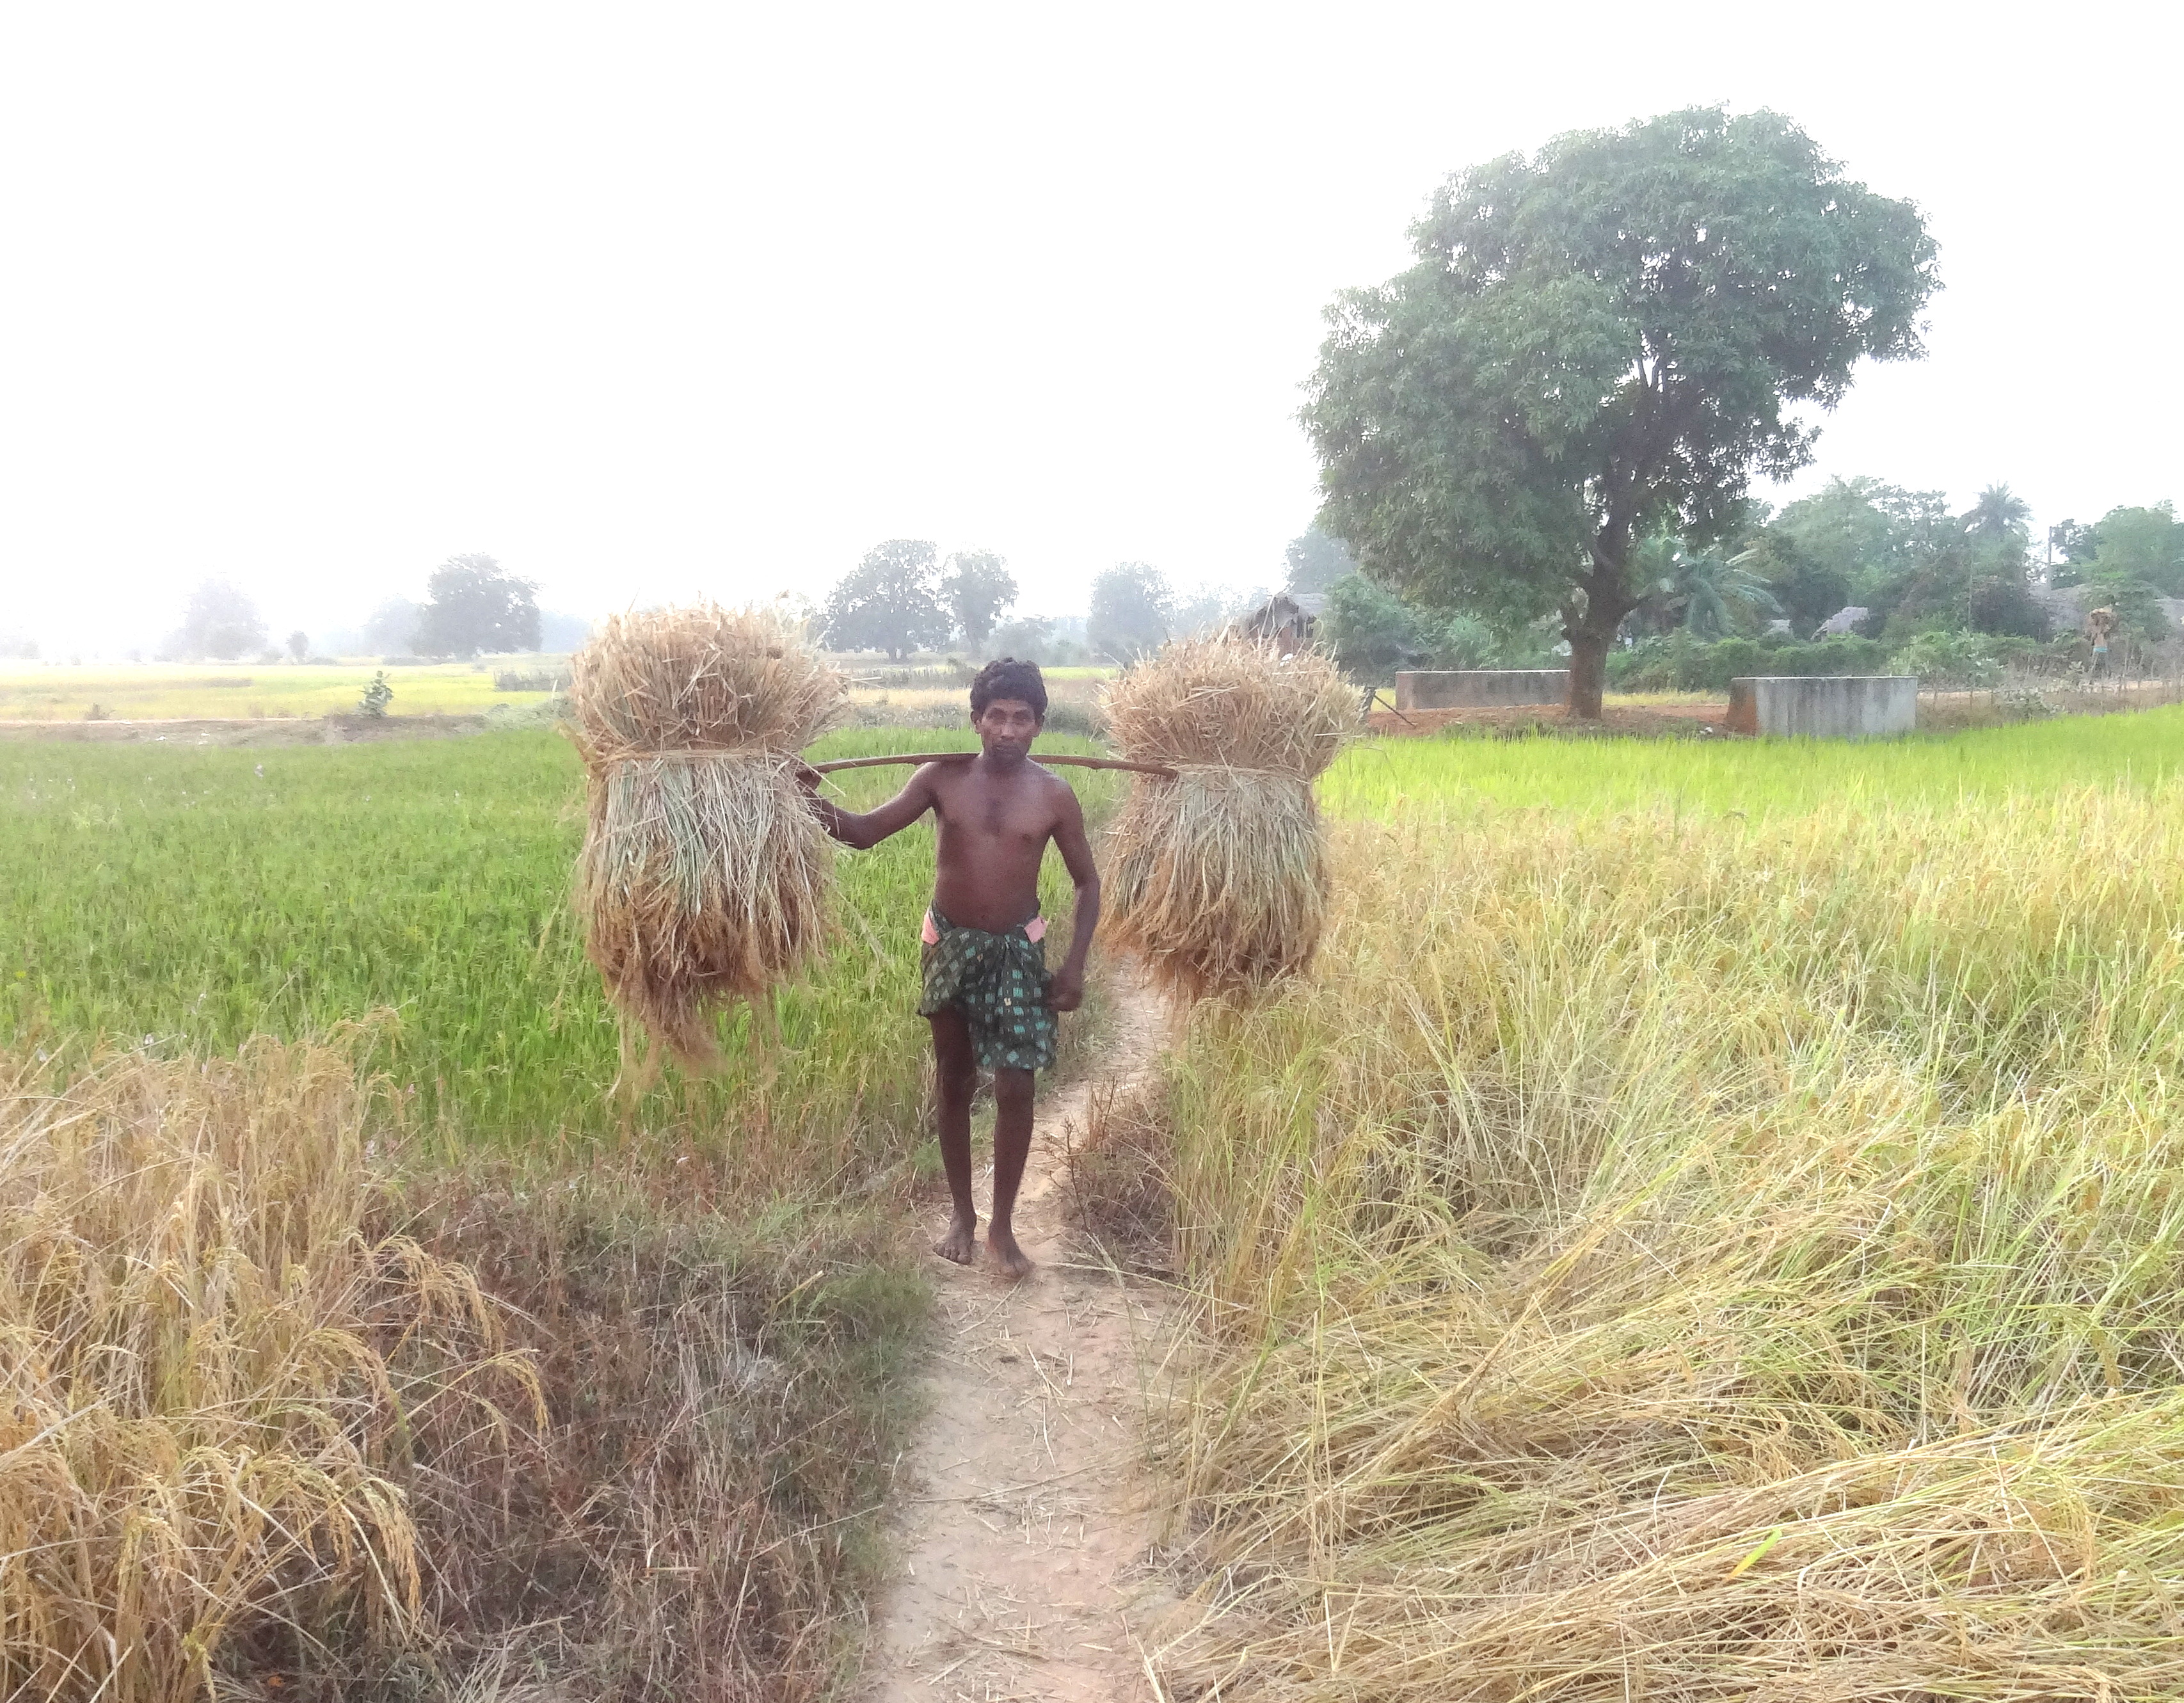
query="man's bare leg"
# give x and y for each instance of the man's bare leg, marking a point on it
(954, 1078)
(1012, 1097)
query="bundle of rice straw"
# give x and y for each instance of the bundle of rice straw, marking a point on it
(1217, 878)
(705, 878)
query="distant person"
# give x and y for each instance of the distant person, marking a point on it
(2100, 627)
(987, 991)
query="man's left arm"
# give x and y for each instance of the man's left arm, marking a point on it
(1068, 992)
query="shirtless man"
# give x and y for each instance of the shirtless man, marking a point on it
(987, 991)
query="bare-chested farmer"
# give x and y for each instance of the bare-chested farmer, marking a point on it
(988, 993)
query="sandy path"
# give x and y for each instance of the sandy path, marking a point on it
(1024, 1519)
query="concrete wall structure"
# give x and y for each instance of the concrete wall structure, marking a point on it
(1479, 688)
(1825, 707)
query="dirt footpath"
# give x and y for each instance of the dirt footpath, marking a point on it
(1025, 1520)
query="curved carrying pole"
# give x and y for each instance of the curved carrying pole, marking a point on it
(924, 756)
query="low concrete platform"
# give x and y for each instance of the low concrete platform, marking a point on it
(1825, 707)
(1479, 688)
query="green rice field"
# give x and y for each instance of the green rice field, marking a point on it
(189, 898)
(162, 691)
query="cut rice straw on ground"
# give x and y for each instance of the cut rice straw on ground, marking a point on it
(1218, 877)
(705, 878)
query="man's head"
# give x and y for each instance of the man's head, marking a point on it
(1008, 705)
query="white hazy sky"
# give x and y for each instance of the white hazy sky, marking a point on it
(648, 300)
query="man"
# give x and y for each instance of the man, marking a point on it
(987, 991)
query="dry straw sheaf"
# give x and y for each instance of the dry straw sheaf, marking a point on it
(214, 1374)
(704, 877)
(1217, 878)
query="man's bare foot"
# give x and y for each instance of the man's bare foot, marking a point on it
(1011, 1258)
(960, 1244)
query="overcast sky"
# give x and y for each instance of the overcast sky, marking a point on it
(651, 300)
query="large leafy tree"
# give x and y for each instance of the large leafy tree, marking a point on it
(976, 587)
(889, 601)
(2141, 545)
(393, 626)
(1315, 561)
(1852, 541)
(473, 604)
(1599, 343)
(1374, 634)
(220, 621)
(1133, 612)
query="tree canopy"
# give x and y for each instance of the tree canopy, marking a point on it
(1133, 612)
(1374, 634)
(1315, 561)
(474, 604)
(393, 626)
(889, 601)
(2140, 543)
(221, 622)
(976, 587)
(1599, 343)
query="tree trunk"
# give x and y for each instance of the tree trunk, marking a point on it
(1588, 675)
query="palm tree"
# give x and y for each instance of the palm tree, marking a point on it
(1999, 516)
(1698, 592)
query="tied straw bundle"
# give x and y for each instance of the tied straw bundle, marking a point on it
(1217, 878)
(704, 877)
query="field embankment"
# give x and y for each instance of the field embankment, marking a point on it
(1711, 1230)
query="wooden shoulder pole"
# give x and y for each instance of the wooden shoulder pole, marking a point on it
(925, 756)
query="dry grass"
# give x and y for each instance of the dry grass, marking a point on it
(704, 877)
(279, 1420)
(1117, 1181)
(1655, 1259)
(1217, 879)
(223, 1394)
(726, 1394)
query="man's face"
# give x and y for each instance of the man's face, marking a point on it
(1006, 726)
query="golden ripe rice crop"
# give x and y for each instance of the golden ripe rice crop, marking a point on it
(211, 1364)
(1664, 1255)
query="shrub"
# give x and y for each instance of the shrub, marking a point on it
(531, 681)
(1960, 661)
(1680, 663)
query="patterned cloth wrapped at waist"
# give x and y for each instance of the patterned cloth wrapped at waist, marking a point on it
(999, 982)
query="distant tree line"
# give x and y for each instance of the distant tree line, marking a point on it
(904, 597)
(1860, 559)
(472, 607)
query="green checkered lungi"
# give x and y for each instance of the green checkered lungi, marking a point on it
(999, 982)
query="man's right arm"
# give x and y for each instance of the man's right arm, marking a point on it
(868, 830)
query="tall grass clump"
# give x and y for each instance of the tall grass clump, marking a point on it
(704, 877)
(1218, 881)
(226, 1388)
(1669, 1259)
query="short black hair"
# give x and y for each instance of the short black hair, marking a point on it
(1006, 678)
